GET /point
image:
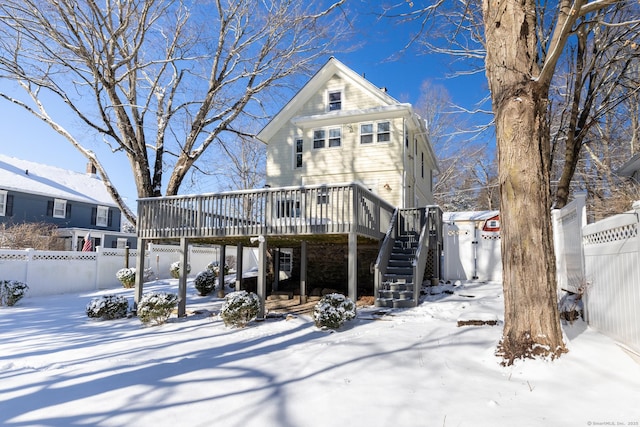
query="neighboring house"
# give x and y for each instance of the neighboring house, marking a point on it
(631, 168)
(347, 206)
(340, 128)
(78, 204)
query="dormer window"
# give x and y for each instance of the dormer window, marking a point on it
(334, 100)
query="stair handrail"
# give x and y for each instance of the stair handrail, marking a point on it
(384, 254)
(419, 262)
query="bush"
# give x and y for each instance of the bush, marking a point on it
(215, 268)
(154, 308)
(205, 282)
(174, 270)
(11, 291)
(127, 276)
(333, 310)
(240, 308)
(108, 307)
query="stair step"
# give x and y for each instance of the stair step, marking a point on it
(399, 303)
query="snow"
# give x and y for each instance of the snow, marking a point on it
(35, 178)
(410, 367)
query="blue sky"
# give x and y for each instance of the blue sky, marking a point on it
(25, 137)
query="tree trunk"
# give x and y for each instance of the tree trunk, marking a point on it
(531, 320)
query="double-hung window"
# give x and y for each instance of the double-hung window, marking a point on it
(335, 135)
(334, 98)
(318, 138)
(3, 203)
(102, 216)
(383, 132)
(59, 208)
(378, 132)
(366, 133)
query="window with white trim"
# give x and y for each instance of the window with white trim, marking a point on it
(318, 138)
(366, 133)
(297, 147)
(286, 261)
(3, 202)
(334, 100)
(102, 216)
(383, 132)
(59, 208)
(335, 135)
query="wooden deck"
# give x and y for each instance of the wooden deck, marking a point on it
(299, 211)
(346, 213)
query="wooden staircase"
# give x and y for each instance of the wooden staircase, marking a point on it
(397, 287)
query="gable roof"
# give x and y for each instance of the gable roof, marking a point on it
(35, 178)
(323, 75)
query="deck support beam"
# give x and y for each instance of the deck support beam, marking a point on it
(221, 265)
(182, 280)
(352, 267)
(239, 261)
(303, 272)
(262, 275)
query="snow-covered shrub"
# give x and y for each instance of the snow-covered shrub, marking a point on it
(11, 291)
(214, 267)
(154, 308)
(174, 270)
(148, 274)
(126, 276)
(108, 307)
(240, 308)
(333, 310)
(205, 282)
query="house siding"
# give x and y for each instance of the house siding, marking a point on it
(34, 208)
(393, 170)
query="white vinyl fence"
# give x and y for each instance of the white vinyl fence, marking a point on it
(612, 272)
(57, 272)
(567, 238)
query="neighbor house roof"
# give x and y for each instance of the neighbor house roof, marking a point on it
(35, 178)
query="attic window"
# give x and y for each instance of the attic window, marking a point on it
(334, 100)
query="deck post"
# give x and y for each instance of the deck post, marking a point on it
(239, 260)
(276, 268)
(137, 295)
(222, 263)
(353, 266)
(182, 280)
(303, 272)
(262, 275)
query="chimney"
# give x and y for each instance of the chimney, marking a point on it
(91, 170)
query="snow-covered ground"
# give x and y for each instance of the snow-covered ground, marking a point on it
(412, 367)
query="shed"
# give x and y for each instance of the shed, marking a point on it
(472, 246)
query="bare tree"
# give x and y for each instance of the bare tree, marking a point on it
(601, 73)
(464, 165)
(161, 81)
(521, 44)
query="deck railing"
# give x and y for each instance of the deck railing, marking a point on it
(321, 209)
